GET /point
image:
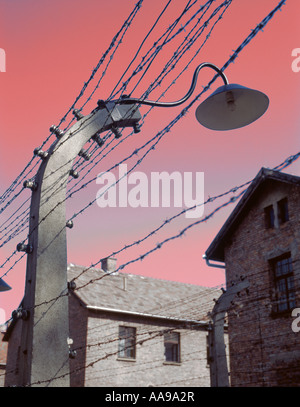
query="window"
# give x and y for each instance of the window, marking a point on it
(269, 217)
(283, 212)
(284, 284)
(127, 336)
(172, 347)
(275, 218)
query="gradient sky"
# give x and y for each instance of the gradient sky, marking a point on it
(51, 48)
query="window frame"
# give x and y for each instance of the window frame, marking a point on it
(282, 211)
(276, 214)
(172, 347)
(127, 343)
(269, 217)
(284, 284)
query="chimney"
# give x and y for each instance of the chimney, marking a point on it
(109, 265)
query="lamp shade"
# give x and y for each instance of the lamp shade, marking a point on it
(4, 286)
(232, 106)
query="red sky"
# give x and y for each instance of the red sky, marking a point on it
(51, 49)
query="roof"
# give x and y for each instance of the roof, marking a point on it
(216, 248)
(139, 295)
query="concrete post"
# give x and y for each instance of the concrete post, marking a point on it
(44, 352)
(218, 361)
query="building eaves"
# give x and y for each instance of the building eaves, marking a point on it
(147, 315)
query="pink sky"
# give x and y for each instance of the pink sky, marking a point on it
(51, 48)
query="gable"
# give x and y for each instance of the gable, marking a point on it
(265, 184)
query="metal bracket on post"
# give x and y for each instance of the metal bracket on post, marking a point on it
(218, 361)
(44, 355)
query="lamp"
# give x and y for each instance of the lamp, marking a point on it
(4, 286)
(231, 106)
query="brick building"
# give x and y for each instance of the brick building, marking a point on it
(3, 354)
(260, 242)
(130, 330)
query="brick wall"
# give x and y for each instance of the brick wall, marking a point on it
(98, 351)
(3, 356)
(264, 351)
(95, 338)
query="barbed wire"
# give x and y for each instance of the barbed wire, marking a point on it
(184, 111)
(172, 26)
(146, 366)
(166, 33)
(254, 32)
(140, 257)
(209, 3)
(160, 43)
(140, 67)
(142, 333)
(187, 43)
(254, 340)
(141, 341)
(144, 328)
(137, 52)
(134, 153)
(195, 307)
(152, 86)
(281, 166)
(113, 44)
(254, 300)
(290, 160)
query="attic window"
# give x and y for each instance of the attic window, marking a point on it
(269, 217)
(277, 217)
(283, 212)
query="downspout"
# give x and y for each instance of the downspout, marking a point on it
(209, 264)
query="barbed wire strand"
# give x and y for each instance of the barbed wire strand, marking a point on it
(135, 152)
(124, 27)
(253, 32)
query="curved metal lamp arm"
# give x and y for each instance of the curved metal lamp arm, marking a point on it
(130, 101)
